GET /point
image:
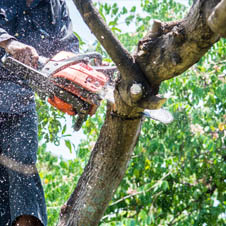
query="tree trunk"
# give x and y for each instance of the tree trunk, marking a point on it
(168, 50)
(104, 171)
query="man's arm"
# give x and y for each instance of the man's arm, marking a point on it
(20, 51)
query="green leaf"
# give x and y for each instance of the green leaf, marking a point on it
(68, 145)
(115, 29)
(133, 10)
(64, 129)
(81, 43)
(124, 10)
(165, 185)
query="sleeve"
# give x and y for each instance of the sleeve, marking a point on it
(63, 24)
(4, 35)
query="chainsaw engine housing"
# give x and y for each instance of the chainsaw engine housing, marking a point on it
(76, 77)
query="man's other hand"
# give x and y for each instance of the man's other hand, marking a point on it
(22, 52)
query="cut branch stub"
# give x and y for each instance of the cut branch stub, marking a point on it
(156, 28)
(217, 19)
(136, 92)
(139, 96)
(149, 102)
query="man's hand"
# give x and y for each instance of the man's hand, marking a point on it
(22, 52)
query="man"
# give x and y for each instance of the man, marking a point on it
(28, 28)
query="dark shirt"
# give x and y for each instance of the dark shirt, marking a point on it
(46, 26)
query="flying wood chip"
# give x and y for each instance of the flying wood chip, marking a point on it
(160, 115)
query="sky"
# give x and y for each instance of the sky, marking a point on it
(81, 28)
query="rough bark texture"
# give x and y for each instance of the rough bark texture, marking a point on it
(103, 173)
(168, 50)
(178, 45)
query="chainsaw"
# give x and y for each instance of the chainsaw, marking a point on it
(68, 81)
(72, 85)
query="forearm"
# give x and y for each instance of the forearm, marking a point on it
(20, 51)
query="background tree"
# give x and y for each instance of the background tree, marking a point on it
(176, 174)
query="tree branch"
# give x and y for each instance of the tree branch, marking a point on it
(144, 191)
(122, 58)
(171, 48)
(105, 36)
(217, 19)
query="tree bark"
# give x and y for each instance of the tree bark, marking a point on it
(104, 171)
(177, 45)
(168, 50)
(217, 19)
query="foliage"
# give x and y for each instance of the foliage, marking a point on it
(58, 178)
(177, 173)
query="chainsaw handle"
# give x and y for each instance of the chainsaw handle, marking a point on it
(53, 66)
(93, 55)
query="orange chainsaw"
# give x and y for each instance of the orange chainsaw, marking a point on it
(73, 86)
(68, 80)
